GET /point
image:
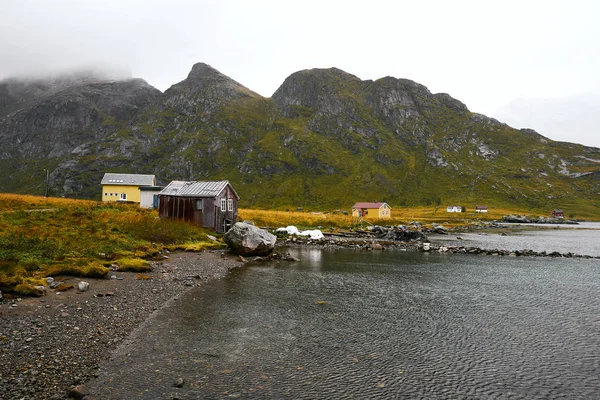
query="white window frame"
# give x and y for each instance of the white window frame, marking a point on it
(223, 205)
(229, 204)
(123, 197)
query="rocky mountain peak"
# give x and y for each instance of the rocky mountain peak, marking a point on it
(323, 90)
(204, 89)
(202, 70)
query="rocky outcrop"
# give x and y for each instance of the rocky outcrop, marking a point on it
(399, 233)
(248, 240)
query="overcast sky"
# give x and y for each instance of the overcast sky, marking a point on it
(528, 63)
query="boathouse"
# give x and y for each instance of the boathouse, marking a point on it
(209, 204)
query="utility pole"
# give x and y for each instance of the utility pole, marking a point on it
(47, 176)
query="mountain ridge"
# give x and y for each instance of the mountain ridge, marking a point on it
(325, 139)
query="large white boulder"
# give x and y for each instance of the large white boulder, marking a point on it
(248, 240)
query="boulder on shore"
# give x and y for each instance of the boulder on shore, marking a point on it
(248, 240)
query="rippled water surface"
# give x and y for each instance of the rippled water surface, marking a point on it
(374, 325)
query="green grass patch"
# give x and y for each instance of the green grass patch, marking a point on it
(133, 265)
(42, 237)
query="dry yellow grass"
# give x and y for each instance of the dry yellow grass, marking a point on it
(426, 215)
(20, 202)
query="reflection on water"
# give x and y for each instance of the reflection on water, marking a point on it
(375, 325)
(312, 256)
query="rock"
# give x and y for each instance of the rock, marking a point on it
(214, 239)
(41, 290)
(0, 294)
(378, 230)
(248, 240)
(49, 280)
(178, 382)
(377, 246)
(439, 229)
(519, 219)
(83, 286)
(78, 392)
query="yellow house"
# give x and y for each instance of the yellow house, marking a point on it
(125, 187)
(376, 210)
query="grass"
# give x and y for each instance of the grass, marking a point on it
(42, 237)
(400, 216)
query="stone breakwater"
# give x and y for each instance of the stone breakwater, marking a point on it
(419, 242)
(428, 247)
(520, 219)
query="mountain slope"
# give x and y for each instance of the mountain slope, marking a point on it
(326, 139)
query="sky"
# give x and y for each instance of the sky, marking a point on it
(528, 63)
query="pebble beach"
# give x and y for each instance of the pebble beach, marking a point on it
(51, 345)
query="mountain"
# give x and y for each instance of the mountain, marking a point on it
(325, 139)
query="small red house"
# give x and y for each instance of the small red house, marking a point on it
(212, 204)
(558, 213)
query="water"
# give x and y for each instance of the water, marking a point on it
(374, 325)
(582, 239)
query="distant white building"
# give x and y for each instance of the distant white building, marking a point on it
(481, 209)
(455, 209)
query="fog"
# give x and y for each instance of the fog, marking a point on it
(505, 59)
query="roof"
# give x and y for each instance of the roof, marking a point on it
(196, 189)
(369, 205)
(151, 188)
(128, 179)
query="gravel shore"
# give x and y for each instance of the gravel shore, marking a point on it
(52, 344)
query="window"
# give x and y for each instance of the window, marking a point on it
(198, 205)
(105, 194)
(123, 196)
(223, 205)
(229, 204)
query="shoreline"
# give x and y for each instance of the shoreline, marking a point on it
(52, 344)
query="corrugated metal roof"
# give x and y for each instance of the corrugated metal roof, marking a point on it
(195, 189)
(368, 205)
(128, 179)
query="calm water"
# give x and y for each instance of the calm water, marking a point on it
(374, 325)
(583, 239)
